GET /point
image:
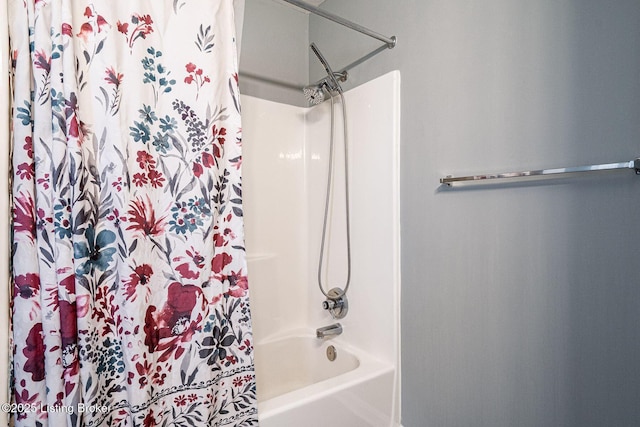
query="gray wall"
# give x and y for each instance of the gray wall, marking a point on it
(274, 61)
(521, 303)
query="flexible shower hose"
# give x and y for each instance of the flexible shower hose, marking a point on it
(328, 196)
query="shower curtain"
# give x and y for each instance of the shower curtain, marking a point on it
(130, 294)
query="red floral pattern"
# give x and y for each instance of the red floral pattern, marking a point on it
(130, 291)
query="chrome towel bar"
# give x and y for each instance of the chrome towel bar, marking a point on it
(633, 164)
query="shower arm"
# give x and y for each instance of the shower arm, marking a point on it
(390, 42)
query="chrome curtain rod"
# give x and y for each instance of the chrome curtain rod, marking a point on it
(633, 164)
(389, 41)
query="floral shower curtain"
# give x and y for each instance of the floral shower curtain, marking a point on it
(130, 303)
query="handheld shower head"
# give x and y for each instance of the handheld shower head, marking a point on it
(332, 82)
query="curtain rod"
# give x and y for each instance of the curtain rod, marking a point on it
(389, 41)
(633, 164)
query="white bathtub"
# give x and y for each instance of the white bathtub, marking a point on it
(299, 386)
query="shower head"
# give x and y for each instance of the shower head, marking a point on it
(314, 94)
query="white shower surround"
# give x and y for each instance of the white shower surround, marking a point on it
(285, 150)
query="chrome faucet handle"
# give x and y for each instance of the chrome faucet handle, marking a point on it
(330, 304)
(336, 303)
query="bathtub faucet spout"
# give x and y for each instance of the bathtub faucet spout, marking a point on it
(329, 331)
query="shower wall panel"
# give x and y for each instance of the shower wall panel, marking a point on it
(275, 214)
(286, 160)
(373, 134)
